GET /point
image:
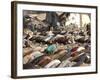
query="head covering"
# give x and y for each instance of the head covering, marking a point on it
(80, 49)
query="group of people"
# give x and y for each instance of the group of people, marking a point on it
(55, 46)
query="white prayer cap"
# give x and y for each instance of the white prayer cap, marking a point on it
(80, 49)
